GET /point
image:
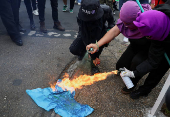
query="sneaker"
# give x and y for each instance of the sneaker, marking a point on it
(64, 8)
(79, 3)
(35, 12)
(94, 70)
(127, 91)
(71, 10)
(136, 94)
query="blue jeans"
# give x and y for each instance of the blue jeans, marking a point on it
(30, 6)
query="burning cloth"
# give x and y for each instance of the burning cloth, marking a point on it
(60, 100)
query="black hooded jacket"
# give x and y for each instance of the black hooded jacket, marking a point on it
(92, 31)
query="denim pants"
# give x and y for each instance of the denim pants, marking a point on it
(28, 4)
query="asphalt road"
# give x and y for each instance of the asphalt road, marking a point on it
(39, 61)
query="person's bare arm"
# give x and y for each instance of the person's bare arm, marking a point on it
(109, 36)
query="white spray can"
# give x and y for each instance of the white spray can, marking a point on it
(129, 84)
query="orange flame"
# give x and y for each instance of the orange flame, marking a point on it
(82, 80)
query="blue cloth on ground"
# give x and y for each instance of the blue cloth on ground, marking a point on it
(61, 101)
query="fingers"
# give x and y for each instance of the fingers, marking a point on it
(126, 70)
(94, 46)
(123, 74)
(127, 74)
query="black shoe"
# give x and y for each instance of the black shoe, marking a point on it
(21, 29)
(94, 70)
(136, 94)
(32, 26)
(58, 26)
(18, 42)
(127, 91)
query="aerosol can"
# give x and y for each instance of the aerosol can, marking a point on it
(129, 84)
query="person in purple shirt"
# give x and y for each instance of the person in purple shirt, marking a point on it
(143, 55)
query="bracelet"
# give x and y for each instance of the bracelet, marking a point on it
(97, 46)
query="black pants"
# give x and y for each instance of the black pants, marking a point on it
(41, 8)
(30, 6)
(9, 19)
(79, 48)
(15, 9)
(132, 58)
(155, 76)
(72, 4)
(33, 3)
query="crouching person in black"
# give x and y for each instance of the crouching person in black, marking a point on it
(92, 18)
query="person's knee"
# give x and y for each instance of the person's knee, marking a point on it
(137, 60)
(73, 50)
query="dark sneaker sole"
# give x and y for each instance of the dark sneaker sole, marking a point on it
(124, 92)
(127, 92)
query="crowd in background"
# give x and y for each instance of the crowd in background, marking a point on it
(9, 12)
